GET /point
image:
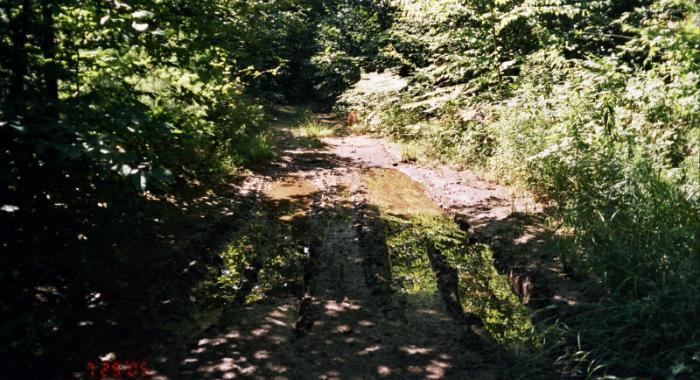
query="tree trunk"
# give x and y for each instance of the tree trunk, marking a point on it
(496, 60)
(18, 63)
(47, 40)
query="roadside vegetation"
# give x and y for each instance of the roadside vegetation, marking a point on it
(593, 107)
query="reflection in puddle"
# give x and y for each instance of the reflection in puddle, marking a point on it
(482, 290)
(267, 255)
(411, 219)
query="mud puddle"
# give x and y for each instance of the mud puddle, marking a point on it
(289, 197)
(431, 260)
(453, 190)
(266, 257)
(397, 193)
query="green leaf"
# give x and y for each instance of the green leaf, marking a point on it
(139, 181)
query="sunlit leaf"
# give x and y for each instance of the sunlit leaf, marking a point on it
(17, 127)
(122, 5)
(141, 27)
(9, 208)
(140, 181)
(508, 64)
(142, 14)
(124, 170)
(162, 175)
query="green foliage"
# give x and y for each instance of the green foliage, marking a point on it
(336, 72)
(594, 107)
(110, 107)
(311, 130)
(139, 96)
(348, 39)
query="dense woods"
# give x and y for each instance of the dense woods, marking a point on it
(109, 109)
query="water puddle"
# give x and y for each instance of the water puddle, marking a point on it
(397, 193)
(482, 291)
(289, 197)
(412, 223)
(267, 255)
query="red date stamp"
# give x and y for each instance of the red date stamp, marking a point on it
(127, 369)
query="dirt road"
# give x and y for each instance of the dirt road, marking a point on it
(341, 309)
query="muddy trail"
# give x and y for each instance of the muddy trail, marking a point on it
(355, 265)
